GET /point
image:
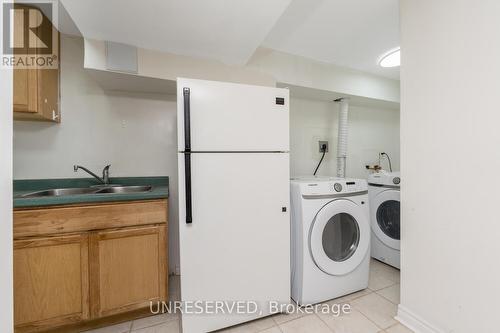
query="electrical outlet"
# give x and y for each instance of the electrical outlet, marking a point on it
(321, 143)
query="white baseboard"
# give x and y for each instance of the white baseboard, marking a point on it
(414, 322)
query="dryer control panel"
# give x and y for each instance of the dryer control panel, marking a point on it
(384, 178)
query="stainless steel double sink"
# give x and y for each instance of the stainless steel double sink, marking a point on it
(58, 192)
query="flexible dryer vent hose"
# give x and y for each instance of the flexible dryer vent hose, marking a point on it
(342, 136)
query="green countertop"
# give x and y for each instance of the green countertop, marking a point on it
(159, 190)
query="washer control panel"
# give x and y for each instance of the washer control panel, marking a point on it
(334, 187)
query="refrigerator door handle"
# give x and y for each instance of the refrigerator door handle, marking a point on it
(187, 153)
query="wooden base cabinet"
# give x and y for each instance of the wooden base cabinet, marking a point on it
(81, 277)
(128, 269)
(51, 281)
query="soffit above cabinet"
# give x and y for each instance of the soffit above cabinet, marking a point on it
(217, 29)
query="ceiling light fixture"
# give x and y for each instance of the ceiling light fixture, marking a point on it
(391, 59)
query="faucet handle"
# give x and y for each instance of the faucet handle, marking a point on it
(105, 174)
(105, 171)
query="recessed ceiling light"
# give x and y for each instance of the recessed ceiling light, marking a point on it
(391, 59)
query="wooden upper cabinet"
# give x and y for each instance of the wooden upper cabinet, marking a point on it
(51, 284)
(128, 269)
(35, 90)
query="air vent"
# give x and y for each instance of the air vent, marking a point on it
(121, 57)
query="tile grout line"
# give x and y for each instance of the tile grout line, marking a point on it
(287, 321)
(374, 323)
(391, 285)
(371, 292)
(265, 329)
(398, 323)
(324, 322)
(392, 325)
(386, 298)
(366, 316)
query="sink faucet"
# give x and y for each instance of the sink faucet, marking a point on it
(105, 173)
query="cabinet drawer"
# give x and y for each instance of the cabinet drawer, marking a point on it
(57, 220)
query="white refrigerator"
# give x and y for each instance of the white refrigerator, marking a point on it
(234, 228)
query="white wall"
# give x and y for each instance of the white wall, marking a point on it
(6, 302)
(371, 131)
(450, 161)
(135, 133)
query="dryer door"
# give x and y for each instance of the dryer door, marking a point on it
(339, 237)
(385, 217)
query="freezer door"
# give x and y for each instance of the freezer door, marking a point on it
(233, 117)
(237, 247)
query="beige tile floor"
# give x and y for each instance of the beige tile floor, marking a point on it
(373, 311)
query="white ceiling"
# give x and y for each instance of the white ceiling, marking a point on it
(350, 33)
(225, 30)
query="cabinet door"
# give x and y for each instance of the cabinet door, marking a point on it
(25, 90)
(128, 269)
(51, 281)
(35, 90)
(25, 80)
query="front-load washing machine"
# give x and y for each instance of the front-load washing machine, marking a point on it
(330, 238)
(383, 189)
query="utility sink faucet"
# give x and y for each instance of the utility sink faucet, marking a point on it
(105, 173)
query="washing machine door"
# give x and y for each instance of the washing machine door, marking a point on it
(385, 217)
(339, 237)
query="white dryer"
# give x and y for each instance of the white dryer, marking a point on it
(330, 238)
(383, 188)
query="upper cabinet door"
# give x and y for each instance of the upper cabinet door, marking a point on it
(35, 90)
(25, 95)
(233, 117)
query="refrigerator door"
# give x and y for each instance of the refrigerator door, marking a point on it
(232, 117)
(237, 247)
